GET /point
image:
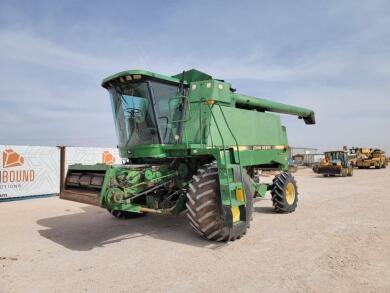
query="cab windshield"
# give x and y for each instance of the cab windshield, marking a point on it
(336, 156)
(146, 112)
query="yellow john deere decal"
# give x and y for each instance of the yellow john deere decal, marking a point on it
(255, 148)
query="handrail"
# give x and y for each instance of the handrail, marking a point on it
(223, 146)
(231, 132)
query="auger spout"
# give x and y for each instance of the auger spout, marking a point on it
(248, 102)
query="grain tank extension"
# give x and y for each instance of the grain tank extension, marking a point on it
(190, 142)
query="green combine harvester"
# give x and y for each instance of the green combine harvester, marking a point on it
(190, 142)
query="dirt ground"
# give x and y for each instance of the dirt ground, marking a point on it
(338, 240)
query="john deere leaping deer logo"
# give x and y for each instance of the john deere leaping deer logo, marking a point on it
(108, 158)
(12, 159)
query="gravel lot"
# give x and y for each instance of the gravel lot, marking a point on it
(338, 240)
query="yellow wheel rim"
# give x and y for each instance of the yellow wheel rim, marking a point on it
(290, 193)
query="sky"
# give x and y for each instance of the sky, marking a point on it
(330, 56)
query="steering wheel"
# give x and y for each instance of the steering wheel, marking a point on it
(135, 114)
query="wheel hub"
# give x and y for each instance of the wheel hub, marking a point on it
(290, 193)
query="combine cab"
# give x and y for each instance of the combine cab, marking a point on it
(335, 163)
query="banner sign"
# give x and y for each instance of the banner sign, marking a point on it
(29, 171)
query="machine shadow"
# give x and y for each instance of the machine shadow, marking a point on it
(95, 227)
(330, 177)
(264, 210)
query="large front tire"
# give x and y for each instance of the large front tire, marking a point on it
(284, 193)
(204, 208)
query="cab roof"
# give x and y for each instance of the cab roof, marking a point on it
(188, 76)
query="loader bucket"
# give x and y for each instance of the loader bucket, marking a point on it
(83, 183)
(330, 170)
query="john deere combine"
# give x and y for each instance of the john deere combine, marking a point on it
(190, 142)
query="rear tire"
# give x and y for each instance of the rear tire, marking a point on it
(204, 207)
(284, 193)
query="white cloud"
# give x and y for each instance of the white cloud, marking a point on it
(26, 47)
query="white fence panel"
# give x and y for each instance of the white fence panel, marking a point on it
(91, 156)
(29, 171)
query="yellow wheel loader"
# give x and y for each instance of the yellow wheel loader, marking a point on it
(335, 163)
